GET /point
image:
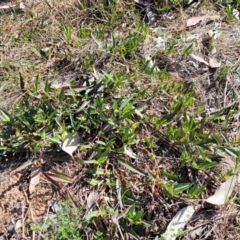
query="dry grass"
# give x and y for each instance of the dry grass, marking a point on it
(52, 39)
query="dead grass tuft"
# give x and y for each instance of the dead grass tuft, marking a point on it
(171, 111)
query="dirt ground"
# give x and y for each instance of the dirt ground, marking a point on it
(19, 208)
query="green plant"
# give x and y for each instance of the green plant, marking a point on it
(64, 227)
(140, 137)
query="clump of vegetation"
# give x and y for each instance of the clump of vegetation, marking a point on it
(64, 226)
(145, 142)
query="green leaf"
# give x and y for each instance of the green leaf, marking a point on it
(113, 40)
(102, 159)
(25, 164)
(54, 139)
(195, 190)
(115, 105)
(131, 211)
(125, 102)
(61, 96)
(92, 182)
(230, 151)
(191, 124)
(203, 166)
(101, 143)
(84, 104)
(178, 188)
(171, 176)
(52, 115)
(225, 137)
(217, 139)
(131, 167)
(187, 49)
(216, 115)
(72, 121)
(47, 87)
(137, 216)
(93, 214)
(61, 125)
(91, 162)
(170, 116)
(6, 117)
(145, 105)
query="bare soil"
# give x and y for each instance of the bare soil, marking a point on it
(213, 87)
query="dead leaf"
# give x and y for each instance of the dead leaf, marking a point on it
(194, 20)
(151, 63)
(178, 222)
(22, 6)
(55, 205)
(64, 80)
(7, 7)
(71, 144)
(236, 14)
(92, 199)
(129, 152)
(34, 180)
(137, 112)
(213, 51)
(18, 225)
(59, 176)
(213, 63)
(131, 167)
(194, 233)
(12, 7)
(223, 192)
(199, 59)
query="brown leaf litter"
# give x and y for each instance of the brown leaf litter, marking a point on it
(214, 85)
